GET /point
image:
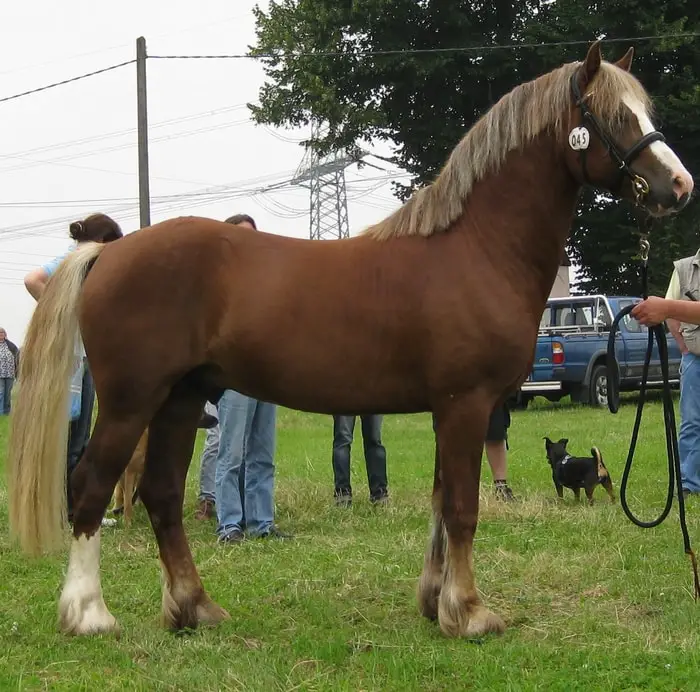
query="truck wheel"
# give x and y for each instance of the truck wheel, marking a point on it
(599, 386)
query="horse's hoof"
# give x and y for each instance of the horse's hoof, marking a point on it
(210, 614)
(460, 618)
(86, 617)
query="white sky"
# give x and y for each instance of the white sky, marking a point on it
(71, 151)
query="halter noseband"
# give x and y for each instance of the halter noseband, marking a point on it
(623, 159)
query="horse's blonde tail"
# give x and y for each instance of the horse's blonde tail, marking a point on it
(40, 414)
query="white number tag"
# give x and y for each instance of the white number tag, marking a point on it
(579, 138)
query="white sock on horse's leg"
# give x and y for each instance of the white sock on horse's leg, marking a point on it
(81, 608)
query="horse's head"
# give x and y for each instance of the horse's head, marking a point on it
(612, 143)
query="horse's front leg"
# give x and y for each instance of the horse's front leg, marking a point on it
(461, 429)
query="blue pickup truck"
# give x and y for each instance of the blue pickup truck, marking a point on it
(572, 344)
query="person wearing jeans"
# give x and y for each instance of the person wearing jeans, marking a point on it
(244, 466)
(375, 458)
(247, 441)
(9, 369)
(681, 311)
(689, 433)
(206, 502)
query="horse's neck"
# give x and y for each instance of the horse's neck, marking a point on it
(523, 214)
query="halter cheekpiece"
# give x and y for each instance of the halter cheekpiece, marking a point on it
(623, 159)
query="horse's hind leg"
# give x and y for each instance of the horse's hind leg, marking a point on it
(431, 578)
(461, 430)
(171, 440)
(81, 608)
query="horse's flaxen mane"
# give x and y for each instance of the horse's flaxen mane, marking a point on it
(510, 124)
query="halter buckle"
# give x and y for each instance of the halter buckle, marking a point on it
(641, 188)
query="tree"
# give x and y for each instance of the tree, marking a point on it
(317, 67)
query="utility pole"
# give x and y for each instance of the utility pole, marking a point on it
(141, 92)
(325, 178)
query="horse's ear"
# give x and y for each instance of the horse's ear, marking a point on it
(591, 64)
(625, 62)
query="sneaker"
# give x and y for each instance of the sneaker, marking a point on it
(206, 509)
(233, 536)
(503, 492)
(275, 532)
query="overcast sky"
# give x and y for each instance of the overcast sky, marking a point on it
(70, 151)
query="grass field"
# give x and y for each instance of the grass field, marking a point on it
(591, 601)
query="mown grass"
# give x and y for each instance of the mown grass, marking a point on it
(592, 602)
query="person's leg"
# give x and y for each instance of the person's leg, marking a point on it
(375, 457)
(206, 502)
(260, 472)
(233, 413)
(79, 430)
(2, 395)
(343, 428)
(689, 434)
(7, 405)
(496, 446)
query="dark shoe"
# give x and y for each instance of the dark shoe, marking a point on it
(343, 498)
(381, 499)
(233, 536)
(206, 509)
(275, 532)
(503, 492)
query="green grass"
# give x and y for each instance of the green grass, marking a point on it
(591, 601)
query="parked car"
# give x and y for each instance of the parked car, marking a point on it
(572, 345)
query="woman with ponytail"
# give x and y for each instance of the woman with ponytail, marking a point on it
(98, 228)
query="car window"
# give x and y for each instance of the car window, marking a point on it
(546, 319)
(603, 314)
(630, 323)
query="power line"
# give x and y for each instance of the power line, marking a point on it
(67, 81)
(360, 54)
(129, 131)
(419, 51)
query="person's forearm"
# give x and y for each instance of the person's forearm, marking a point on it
(35, 284)
(674, 326)
(683, 311)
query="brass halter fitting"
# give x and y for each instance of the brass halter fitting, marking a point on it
(641, 189)
(644, 247)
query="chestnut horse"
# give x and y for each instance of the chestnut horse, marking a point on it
(436, 308)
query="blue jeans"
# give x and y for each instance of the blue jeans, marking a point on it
(247, 441)
(689, 435)
(375, 454)
(207, 471)
(5, 394)
(79, 429)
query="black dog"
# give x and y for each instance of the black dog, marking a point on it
(577, 472)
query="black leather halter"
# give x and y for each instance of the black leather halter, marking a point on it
(623, 159)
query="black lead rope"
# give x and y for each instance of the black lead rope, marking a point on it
(613, 393)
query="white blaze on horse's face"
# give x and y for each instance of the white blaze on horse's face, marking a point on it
(682, 181)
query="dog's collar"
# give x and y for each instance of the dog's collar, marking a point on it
(565, 459)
